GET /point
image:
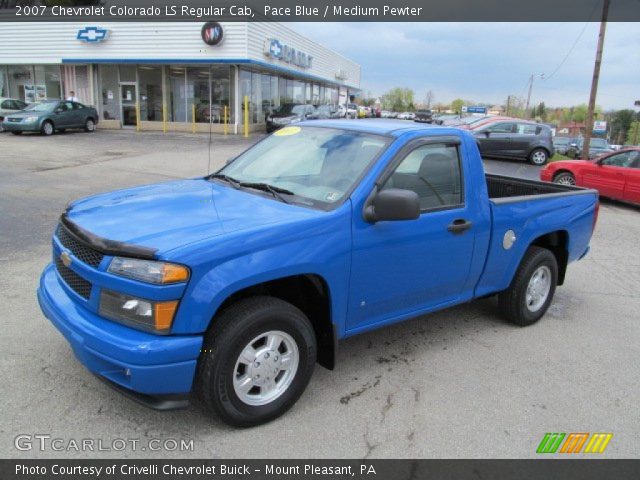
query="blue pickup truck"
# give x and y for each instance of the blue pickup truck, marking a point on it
(231, 287)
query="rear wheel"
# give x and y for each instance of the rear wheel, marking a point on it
(89, 125)
(539, 156)
(532, 288)
(564, 178)
(47, 128)
(257, 361)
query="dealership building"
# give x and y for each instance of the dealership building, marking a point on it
(173, 76)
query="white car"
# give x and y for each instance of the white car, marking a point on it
(10, 105)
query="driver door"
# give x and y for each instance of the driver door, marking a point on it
(401, 267)
(608, 175)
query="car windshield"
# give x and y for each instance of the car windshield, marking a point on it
(316, 164)
(41, 107)
(291, 108)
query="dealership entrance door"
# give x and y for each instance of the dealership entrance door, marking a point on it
(128, 102)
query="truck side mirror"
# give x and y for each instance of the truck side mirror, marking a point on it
(393, 204)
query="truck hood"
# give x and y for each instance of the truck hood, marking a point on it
(170, 215)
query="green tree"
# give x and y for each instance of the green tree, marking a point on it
(457, 105)
(620, 123)
(398, 99)
(633, 135)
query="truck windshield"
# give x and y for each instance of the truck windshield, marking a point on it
(318, 164)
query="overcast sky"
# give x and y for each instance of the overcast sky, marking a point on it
(485, 62)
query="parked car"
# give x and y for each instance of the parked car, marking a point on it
(393, 114)
(424, 116)
(289, 113)
(50, 116)
(8, 106)
(562, 144)
(446, 119)
(327, 111)
(615, 175)
(597, 147)
(406, 116)
(235, 284)
(518, 140)
(352, 110)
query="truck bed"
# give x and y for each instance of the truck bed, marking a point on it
(506, 189)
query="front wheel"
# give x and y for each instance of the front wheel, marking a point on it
(257, 360)
(539, 156)
(89, 125)
(47, 128)
(532, 288)
(565, 178)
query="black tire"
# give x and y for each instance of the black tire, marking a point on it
(17, 133)
(90, 125)
(539, 157)
(564, 178)
(47, 128)
(228, 337)
(513, 300)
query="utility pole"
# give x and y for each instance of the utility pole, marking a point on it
(508, 105)
(533, 75)
(594, 82)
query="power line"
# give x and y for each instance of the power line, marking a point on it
(576, 41)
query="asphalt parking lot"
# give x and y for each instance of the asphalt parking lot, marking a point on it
(459, 383)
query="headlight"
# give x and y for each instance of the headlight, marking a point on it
(30, 119)
(148, 270)
(137, 312)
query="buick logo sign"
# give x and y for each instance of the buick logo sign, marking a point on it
(212, 33)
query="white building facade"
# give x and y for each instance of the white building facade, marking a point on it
(173, 76)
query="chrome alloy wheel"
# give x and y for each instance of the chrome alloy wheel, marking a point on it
(47, 128)
(565, 179)
(265, 368)
(538, 288)
(539, 157)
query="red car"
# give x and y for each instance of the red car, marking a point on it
(615, 175)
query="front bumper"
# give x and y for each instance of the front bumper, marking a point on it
(21, 127)
(138, 361)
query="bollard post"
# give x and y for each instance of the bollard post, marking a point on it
(246, 116)
(164, 118)
(193, 118)
(224, 118)
(137, 117)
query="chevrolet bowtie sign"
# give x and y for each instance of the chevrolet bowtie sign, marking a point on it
(92, 34)
(274, 48)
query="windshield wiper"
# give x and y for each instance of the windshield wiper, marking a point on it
(273, 190)
(226, 178)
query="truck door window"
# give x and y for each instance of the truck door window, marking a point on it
(433, 172)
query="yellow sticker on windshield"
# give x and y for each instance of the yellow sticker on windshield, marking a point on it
(283, 132)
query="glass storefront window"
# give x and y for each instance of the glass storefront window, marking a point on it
(21, 83)
(127, 73)
(198, 94)
(298, 91)
(245, 90)
(109, 92)
(176, 94)
(4, 84)
(275, 92)
(255, 101)
(220, 93)
(47, 78)
(150, 83)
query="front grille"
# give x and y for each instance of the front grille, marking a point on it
(79, 250)
(78, 284)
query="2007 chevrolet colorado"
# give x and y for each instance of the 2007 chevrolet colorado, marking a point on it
(235, 284)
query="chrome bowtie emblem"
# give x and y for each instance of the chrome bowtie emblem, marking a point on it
(65, 258)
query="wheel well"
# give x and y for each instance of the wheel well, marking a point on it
(557, 243)
(311, 295)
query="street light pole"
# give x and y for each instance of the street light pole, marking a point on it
(531, 78)
(594, 82)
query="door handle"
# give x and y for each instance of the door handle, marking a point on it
(459, 226)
